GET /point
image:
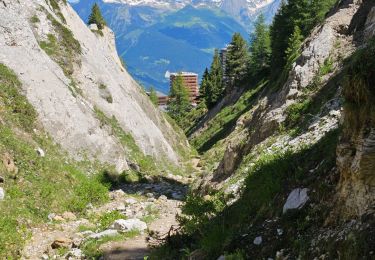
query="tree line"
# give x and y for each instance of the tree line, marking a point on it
(269, 53)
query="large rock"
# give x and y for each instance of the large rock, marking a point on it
(296, 199)
(129, 224)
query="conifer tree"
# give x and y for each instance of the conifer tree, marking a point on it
(203, 86)
(96, 17)
(260, 49)
(179, 102)
(237, 60)
(294, 46)
(215, 84)
(153, 96)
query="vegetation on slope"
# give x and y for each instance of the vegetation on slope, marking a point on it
(36, 184)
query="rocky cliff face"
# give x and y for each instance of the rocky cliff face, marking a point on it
(73, 77)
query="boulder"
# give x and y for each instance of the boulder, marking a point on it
(163, 198)
(105, 233)
(296, 199)
(2, 193)
(62, 242)
(129, 224)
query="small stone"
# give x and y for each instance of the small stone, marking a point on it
(44, 257)
(69, 216)
(150, 199)
(2, 193)
(163, 197)
(40, 152)
(296, 199)
(130, 201)
(105, 233)
(62, 242)
(89, 206)
(258, 240)
(129, 224)
(280, 231)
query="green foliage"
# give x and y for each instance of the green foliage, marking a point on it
(304, 14)
(179, 102)
(237, 60)
(222, 123)
(260, 48)
(296, 111)
(294, 47)
(96, 17)
(13, 102)
(153, 96)
(34, 19)
(108, 218)
(212, 82)
(42, 185)
(269, 178)
(90, 247)
(62, 47)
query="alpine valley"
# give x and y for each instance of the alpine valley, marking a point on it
(155, 36)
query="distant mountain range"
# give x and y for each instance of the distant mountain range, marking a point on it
(156, 36)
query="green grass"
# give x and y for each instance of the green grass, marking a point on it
(212, 226)
(62, 47)
(34, 19)
(91, 247)
(42, 185)
(13, 102)
(148, 165)
(221, 125)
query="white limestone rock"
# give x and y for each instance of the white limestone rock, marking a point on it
(296, 199)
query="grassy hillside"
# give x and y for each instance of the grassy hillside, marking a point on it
(37, 185)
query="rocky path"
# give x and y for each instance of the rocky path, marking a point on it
(151, 204)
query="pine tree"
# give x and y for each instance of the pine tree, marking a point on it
(203, 86)
(179, 102)
(294, 46)
(96, 17)
(215, 84)
(260, 49)
(237, 60)
(153, 96)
